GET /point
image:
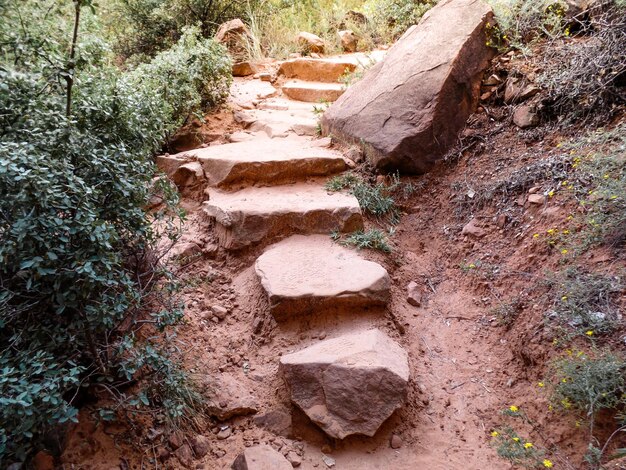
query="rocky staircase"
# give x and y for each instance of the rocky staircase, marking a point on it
(266, 195)
(314, 80)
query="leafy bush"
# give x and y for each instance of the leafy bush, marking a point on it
(394, 17)
(194, 74)
(589, 383)
(586, 78)
(151, 26)
(78, 260)
(520, 22)
(598, 182)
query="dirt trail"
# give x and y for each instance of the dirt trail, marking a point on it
(463, 370)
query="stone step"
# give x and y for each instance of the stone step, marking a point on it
(262, 215)
(279, 117)
(313, 92)
(303, 274)
(316, 70)
(260, 161)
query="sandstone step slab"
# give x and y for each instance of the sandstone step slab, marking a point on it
(303, 274)
(254, 215)
(313, 92)
(260, 161)
(350, 384)
(316, 70)
(279, 117)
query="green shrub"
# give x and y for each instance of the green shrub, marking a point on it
(376, 200)
(393, 17)
(589, 383)
(372, 239)
(79, 263)
(146, 27)
(194, 74)
(585, 79)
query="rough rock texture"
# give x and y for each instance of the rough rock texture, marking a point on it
(261, 457)
(234, 34)
(309, 42)
(228, 397)
(409, 108)
(243, 69)
(525, 117)
(262, 161)
(188, 175)
(307, 273)
(350, 384)
(349, 40)
(313, 92)
(319, 70)
(253, 215)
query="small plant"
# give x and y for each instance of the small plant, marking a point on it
(373, 199)
(585, 303)
(598, 179)
(507, 312)
(588, 383)
(372, 239)
(518, 450)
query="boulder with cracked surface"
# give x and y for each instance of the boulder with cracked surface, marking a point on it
(409, 108)
(350, 384)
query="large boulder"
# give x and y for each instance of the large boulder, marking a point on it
(408, 109)
(235, 35)
(350, 384)
(309, 42)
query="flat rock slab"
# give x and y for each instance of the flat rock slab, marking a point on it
(261, 161)
(306, 273)
(261, 457)
(409, 108)
(244, 92)
(316, 70)
(313, 92)
(350, 384)
(253, 215)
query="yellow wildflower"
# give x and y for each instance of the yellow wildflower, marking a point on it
(495, 433)
(514, 408)
(472, 266)
(613, 198)
(551, 193)
(564, 183)
(564, 381)
(563, 251)
(570, 217)
(577, 424)
(589, 333)
(516, 439)
(551, 231)
(547, 463)
(541, 384)
(565, 232)
(606, 177)
(528, 445)
(536, 235)
(564, 298)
